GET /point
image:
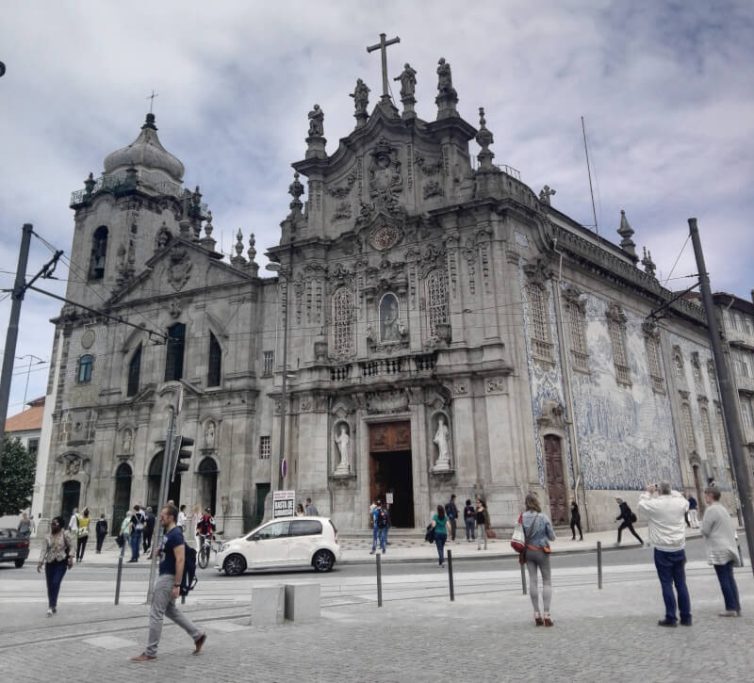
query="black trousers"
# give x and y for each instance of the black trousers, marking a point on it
(630, 527)
(100, 541)
(576, 525)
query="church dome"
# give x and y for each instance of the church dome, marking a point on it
(146, 152)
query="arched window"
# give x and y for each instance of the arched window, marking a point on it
(134, 372)
(342, 321)
(174, 358)
(215, 362)
(86, 363)
(709, 444)
(437, 301)
(99, 254)
(122, 497)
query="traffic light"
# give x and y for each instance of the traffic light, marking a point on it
(182, 455)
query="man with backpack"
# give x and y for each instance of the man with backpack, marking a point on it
(167, 588)
(149, 521)
(628, 520)
(451, 510)
(136, 530)
(379, 527)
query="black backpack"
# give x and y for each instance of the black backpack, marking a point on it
(381, 519)
(189, 578)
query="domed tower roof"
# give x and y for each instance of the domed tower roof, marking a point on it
(146, 152)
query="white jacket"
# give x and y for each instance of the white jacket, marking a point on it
(667, 526)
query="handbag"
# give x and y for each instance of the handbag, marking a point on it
(490, 533)
(518, 539)
(429, 537)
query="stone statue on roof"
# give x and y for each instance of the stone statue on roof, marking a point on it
(408, 81)
(360, 97)
(444, 79)
(316, 122)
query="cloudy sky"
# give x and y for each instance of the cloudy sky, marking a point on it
(666, 90)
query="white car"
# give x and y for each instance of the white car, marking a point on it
(280, 544)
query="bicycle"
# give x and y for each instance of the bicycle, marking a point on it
(205, 548)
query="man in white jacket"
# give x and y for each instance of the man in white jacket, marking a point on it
(665, 510)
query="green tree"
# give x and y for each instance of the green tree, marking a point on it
(16, 477)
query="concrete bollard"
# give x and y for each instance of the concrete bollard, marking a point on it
(302, 602)
(267, 605)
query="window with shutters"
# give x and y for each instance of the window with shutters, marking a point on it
(577, 320)
(616, 327)
(539, 322)
(437, 302)
(687, 424)
(654, 360)
(342, 317)
(86, 364)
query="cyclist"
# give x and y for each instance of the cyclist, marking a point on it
(205, 529)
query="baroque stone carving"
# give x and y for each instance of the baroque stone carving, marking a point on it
(384, 176)
(343, 191)
(343, 211)
(179, 270)
(385, 237)
(343, 443)
(394, 401)
(441, 439)
(432, 189)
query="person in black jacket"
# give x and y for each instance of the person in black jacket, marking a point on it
(575, 521)
(100, 529)
(628, 518)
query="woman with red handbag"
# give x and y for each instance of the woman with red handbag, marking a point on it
(538, 533)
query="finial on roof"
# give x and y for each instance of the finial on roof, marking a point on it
(252, 254)
(149, 123)
(89, 184)
(545, 193)
(484, 139)
(626, 232)
(648, 263)
(238, 259)
(296, 189)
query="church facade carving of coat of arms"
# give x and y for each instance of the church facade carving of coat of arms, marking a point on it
(384, 176)
(179, 269)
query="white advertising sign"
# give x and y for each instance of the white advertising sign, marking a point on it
(283, 503)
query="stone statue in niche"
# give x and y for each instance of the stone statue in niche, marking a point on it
(209, 435)
(343, 440)
(389, 320)
(127, 442)
(441, 440)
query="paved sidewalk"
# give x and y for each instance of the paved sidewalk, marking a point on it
(485, 635)
(402, 548)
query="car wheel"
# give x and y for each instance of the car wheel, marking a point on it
(323, 561)
(19, 563)
(234, 565)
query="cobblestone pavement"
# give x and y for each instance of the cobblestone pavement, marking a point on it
(482, 636)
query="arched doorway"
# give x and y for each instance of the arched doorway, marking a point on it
(207, 484)
(122, 497)
(70, 498)
(153, 485)
(556, 484)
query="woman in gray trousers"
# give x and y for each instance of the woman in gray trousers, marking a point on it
(538, 532)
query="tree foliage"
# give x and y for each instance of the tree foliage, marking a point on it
(17, 468)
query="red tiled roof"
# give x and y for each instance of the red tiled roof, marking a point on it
(26, 421)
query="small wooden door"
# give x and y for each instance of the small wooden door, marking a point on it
(556, 485)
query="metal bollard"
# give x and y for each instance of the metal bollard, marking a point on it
(379, 581)
(523, 577)
(120, 573)
(450, 575)
(599, 565)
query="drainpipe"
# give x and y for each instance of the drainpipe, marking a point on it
(567, 383)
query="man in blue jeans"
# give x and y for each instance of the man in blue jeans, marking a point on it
(379, 527)
(665, 511)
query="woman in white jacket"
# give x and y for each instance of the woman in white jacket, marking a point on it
(722, 550)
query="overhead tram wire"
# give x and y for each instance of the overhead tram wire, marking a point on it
(678, 258)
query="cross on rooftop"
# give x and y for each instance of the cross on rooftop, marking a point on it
(151, 98)
(382, 47)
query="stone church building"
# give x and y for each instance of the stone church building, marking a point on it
(433, 326)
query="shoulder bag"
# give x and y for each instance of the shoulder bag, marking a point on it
(518, 540)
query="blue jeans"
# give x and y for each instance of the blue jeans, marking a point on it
(54, 573)
(135, 543)
(440, 543)
(671, 569)
(728, 586)
(379, 535)
(470, 524)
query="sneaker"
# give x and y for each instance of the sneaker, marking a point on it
(199, 643)
(371, 552)
(143, 657)
(666, 622)
(50, 612)
(729, 613)
(686, 622)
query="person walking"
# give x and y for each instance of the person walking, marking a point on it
(149, 521)
(124, 537)
(100, 530)
(538, 533)
(694, 511)
(665, 509)
(440, 523)
(24, 526)
(482, 523)
(82, 533)
(182, 518)
(379, 527)
(311, 508)
(196, 517)
(451, 509)
(167, 589)
(73, 523)
(722, 549)
(56, 559)
(469, 520)
(575, 521)
(136, 530)
(628, 519)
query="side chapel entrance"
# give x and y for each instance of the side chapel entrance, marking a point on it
(556, 484)
(390, 469)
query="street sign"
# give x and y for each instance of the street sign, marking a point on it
(283, 503)
(389, 498)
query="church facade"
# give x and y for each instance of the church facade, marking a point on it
(434, 327)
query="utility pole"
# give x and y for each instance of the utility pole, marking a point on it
(11, 336)
(283, 464)
(727, 395)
